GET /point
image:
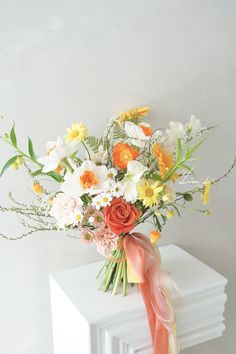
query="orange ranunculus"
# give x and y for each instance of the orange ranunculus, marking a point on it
(122, 154)
(121, 216)
(146, 129)
(165, 161)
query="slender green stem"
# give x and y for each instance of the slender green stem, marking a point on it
(85, 146)
(124, 291)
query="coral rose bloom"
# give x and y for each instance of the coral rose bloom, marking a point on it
(122, 154)
(121, 216)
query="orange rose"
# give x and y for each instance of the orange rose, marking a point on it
(121, 216)
(122, 154)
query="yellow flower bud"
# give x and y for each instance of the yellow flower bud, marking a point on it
(15, 166)
(19, 160)
(154, 236)
(6, 136)
(170, 214)
(37, 188)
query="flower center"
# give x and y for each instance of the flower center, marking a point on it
(78, 217)
(126, 155)
(88, 236)
(88, 179)
(149, 192)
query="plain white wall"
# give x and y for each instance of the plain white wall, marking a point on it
(62, 61)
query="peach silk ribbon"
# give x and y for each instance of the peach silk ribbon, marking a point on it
(156, 287)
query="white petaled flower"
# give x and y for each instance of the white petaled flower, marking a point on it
(117, 190)
(106, 198)
(65, 208)
(56, 151)
(175, 132)
(78, 216)
(136, 134)
(194, 126)
(100, 157)
(111, 174)
(135, 171)
(97, 202)
(88, 178)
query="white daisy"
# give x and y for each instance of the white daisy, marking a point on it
(106, 198)
(97, 202)
(117, 190)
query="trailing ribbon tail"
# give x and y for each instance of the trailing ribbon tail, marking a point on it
(156, 287)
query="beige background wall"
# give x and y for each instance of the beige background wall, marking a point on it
(62, 61)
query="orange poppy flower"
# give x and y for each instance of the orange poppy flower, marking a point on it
(165, 161)
(122, 154)
(146, 129)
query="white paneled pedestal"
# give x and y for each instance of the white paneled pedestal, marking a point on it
(88, 321)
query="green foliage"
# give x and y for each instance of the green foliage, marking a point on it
(55, 176)
(118, 132)
(93, 143)
(9, 163)
(31, 150)
(13, 136)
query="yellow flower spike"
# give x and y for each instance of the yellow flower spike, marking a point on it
(77, 132)
(154, 236)
(134, 114)
(170, 214)
(37, 188)
(206, 192)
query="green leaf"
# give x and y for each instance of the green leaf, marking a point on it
(13, 136)
(36, 173)
(195, 147)
(93, 143)
(188, 197)
(55, 176)
(8, 164)
(31, 150)
(179, 150)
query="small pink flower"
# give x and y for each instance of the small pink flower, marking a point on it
(105, 240)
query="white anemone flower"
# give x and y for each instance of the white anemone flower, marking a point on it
(135, 171)
(56, 151)
(175, 132)
(65, 210)
(194, 126)
(88, 178)
(136, 134)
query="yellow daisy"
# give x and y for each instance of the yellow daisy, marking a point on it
(149, 193)
(77, 132)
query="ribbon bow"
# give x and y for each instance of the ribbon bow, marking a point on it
(156, 287)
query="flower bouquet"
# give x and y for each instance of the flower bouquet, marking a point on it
(105, 188)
